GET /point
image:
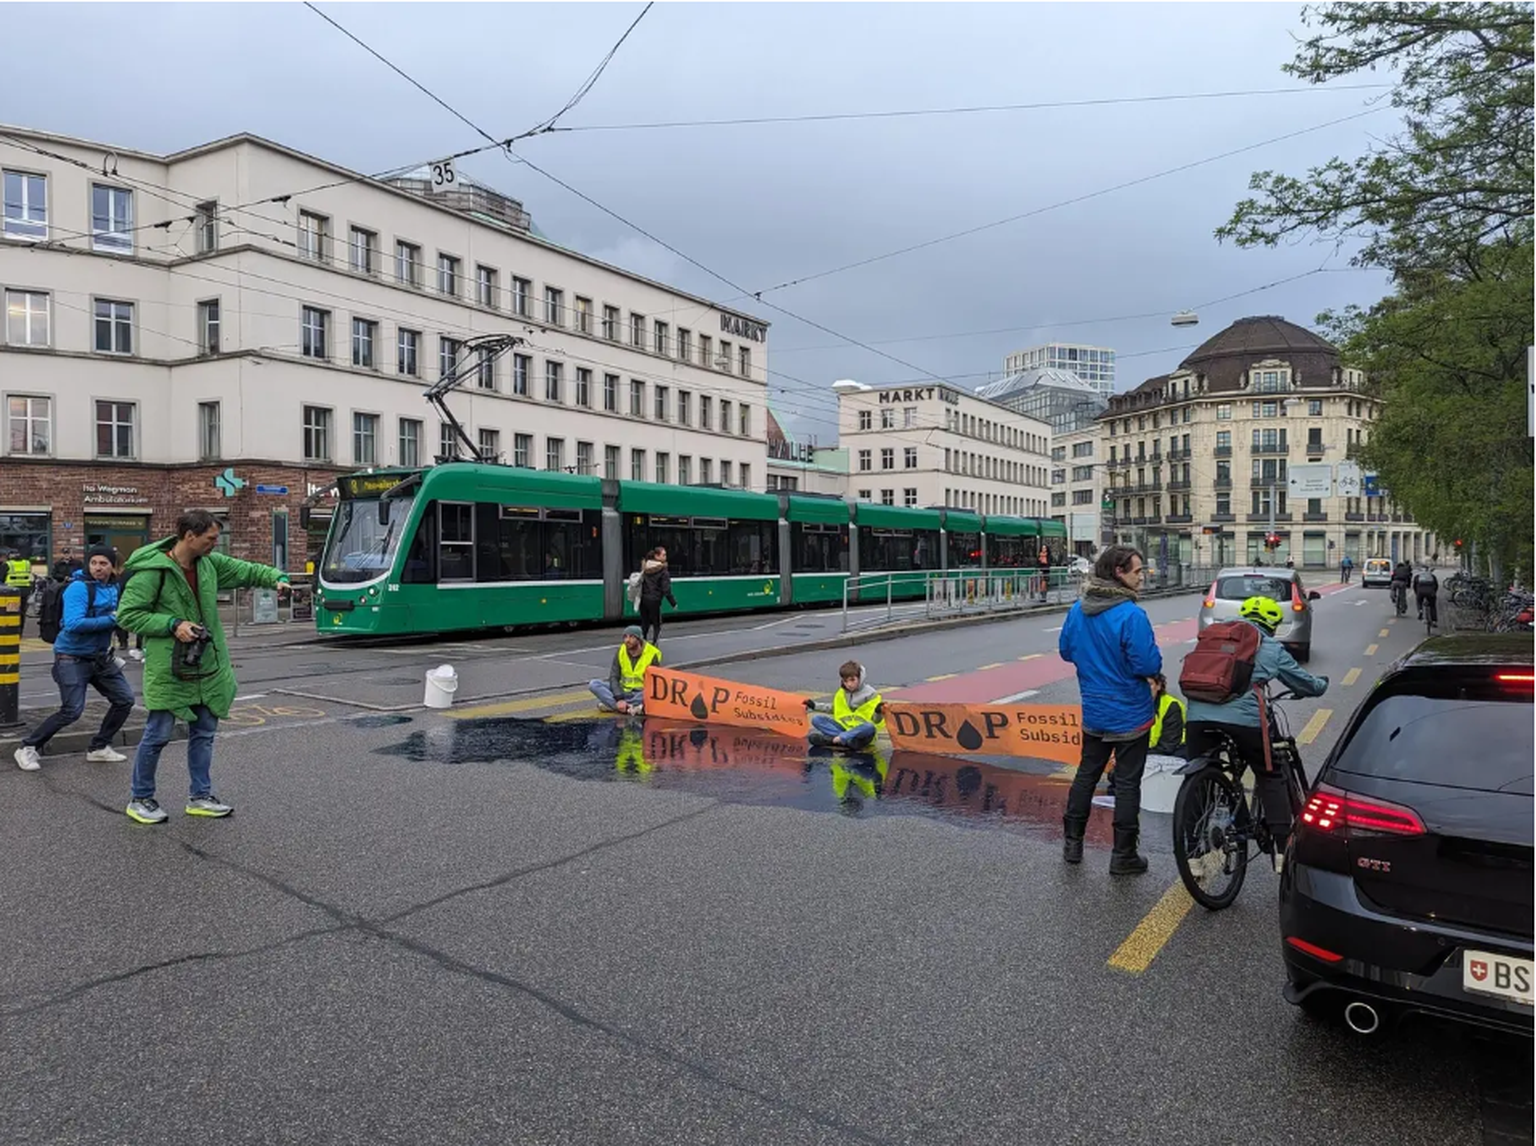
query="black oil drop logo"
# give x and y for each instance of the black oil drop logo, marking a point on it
(968, 738)
(699, 708)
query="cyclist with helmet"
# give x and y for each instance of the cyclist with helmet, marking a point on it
(1242, 721)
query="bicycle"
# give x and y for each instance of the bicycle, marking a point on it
(1216, 824)
(1400, 597)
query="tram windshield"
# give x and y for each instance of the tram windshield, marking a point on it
(364, 538)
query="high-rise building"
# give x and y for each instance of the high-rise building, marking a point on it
(1095, 365)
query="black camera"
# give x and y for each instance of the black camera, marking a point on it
(187, 656)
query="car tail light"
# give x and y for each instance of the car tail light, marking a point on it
(1523, 617)
(1313, 950)
(1210, 598)
(1297, 603)
(1515, 678)
(1331, 810)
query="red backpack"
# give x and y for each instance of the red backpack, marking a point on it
(1220, 666)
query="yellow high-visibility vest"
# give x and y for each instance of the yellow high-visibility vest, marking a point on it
(1163, 704)
(850, 717)
(632, 673)
(18, 574)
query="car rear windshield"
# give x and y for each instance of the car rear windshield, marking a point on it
(1253, 585)
(1377, 566)
(1478, 738)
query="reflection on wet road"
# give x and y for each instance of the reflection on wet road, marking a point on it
(746, 767)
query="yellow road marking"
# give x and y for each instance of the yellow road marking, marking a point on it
(524, 704)
(1382, 633)
(1393, 621)
(578, 714)
(943, 676)
(1370, 650)
(1351, 676)
(1314, 726)
(1135, 955)
(984, 668)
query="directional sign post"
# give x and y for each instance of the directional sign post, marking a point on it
(273, 490)
(1309, 481)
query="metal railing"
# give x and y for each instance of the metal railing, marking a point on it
(880, 599)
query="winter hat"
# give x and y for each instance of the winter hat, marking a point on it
(635, 631)
(101, 551)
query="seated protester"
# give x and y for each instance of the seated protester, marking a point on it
(624, 690)
(857, 713)
(1241, 720)
(1167, 736)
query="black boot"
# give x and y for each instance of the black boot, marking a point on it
(1072, 844)
(1124, 860)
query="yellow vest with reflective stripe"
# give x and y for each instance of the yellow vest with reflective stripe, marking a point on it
(1162, 710)
(632, 673)
(850, 717)
(18, 574)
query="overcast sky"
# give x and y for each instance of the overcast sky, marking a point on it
(763, 204)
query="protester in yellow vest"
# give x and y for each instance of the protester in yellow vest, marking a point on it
(18, 576)
(858, 713)
(1167, 736)
(624, 690)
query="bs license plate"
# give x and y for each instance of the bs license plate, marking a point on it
(1488, 974)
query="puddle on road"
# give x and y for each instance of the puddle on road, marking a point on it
(387, 720)
(745, 767)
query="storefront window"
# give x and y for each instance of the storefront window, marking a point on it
(29, 534)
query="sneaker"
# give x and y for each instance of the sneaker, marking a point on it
(27, 758)
(1279, 863)
(208, 805)
(146, 811)
(105, 756)
(136, 654)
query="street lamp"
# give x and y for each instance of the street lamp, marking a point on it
(1186, 318)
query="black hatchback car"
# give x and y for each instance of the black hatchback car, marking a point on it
(1408, 881)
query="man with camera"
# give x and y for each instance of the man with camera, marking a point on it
(172, 599)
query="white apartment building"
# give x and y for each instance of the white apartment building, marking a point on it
(1077, 488)
(242, 308)
(1095, 365)
(939, 445)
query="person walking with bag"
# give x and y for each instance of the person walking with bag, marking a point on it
(1108, 637)
(655, 587)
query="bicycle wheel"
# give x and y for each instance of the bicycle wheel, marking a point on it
(1211, 838)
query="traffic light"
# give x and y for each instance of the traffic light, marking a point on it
(1458, 544)
(1271, 541)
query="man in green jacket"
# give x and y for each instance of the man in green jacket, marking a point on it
(173, 602)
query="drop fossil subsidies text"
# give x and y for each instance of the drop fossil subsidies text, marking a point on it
(688, 696)
(1046, 731)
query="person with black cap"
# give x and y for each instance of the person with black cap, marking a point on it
(82, 655)
(624, 690)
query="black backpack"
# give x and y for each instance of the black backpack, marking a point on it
(50, 609)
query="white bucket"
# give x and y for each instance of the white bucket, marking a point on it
(442, 683)
(1160, 783)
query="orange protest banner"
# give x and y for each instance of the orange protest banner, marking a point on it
(687, 696)
(1045, 731)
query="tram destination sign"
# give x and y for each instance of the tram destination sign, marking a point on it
(368, 485)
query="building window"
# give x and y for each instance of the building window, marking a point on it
(26, 206)
(684, 345)
(31, 425)
(746, 420)
(887, 497)
(725, 416)
(611, 323)
(407, 352)
(583, 315)
(1224, 440)
(887, 418)
(705, 474)
(447, 442)
(362, 251)
(1224, 504)
(584, 459)
(522, 450)
(866, 419)
(26, 318)
(637, 330)
(724, 361)
(1314, 439)
(485, 369)
(408, 264)
(888, 458)
(660, 340)
(1082, 497)
(661, 403)
(554, 382)
(206, 223)
(908, 417)
(486, 292)
(114, 327)
(208, 444)
(584, 387)
(447, 355)
(705, 345)
(554, 454)
(554, 306)
(909, 458)
(684, 470)
(1084, 473)
(1058, 500)
(909, 496)
(636, 400)
(208, 326)
(684, 409)
(706, 411)
(865, 462)
(410, 442)
(364, 335)
(611, 393)
(521, 290)
(114, 429)
(1314, 407)
(447, 275)
(865, 495)
(744, 362)
(365, 439)
(1224, 412)
(521, 364)
(636, 465)
(111, 219)
(725, 472)
(314, 235)
(489, 444)
(313, 333)
(611, 463)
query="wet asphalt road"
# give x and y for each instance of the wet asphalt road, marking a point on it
(418, 929)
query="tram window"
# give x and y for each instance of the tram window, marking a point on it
(818, 548)
(703, 546)
(420, 564)
(526, 543)
(964, 550)
(752, 549)
(1010, 552)
(456, 546)
(896, 550)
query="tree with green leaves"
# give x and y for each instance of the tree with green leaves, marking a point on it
(1446, 206)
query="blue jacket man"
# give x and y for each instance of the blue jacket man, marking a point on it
(1108, 637)
(82, 655)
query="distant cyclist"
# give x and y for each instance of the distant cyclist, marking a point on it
(1402, 576)
(1241, 720)
(1426, 593)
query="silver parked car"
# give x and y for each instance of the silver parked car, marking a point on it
(1234, 586)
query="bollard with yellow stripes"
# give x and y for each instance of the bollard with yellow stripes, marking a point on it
(10, 657)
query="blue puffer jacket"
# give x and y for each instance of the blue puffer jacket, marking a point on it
(1271, 662)
(82, 632)
(1108, 637)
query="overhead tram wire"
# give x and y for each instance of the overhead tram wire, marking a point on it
(548, 125)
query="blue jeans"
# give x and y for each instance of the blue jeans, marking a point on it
(157, 734)
(856, 737)
(606, 698)
(73, 674)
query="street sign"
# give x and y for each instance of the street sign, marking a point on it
(1349, 478)
(1371, 488)
(1311, 480)
(273, 490)
(442, 176)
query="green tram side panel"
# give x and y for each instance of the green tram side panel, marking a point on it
(1053, 529)
(818, 510)
(687, 501)
(819, 588)
(1013, 527)
(511, 485)
(898, 517)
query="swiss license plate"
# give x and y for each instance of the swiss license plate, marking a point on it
(1485, 973)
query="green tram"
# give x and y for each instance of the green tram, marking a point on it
(469, 545)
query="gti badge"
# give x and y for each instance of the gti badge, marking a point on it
(1374, 864)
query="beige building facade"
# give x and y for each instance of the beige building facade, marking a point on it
(1077, 483)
